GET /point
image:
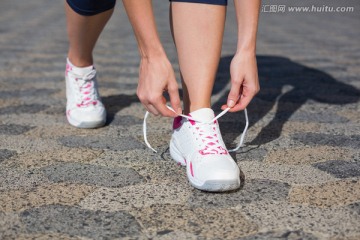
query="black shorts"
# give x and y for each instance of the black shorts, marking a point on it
(92, 7)
(215, 2)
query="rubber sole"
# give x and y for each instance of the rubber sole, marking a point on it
(209, 185)
(94, 124)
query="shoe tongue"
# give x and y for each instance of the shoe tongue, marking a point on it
(203, 114)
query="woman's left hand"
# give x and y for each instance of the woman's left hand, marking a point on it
(244, 81)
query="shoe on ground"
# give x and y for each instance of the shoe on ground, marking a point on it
(84, 108)
(198, 145)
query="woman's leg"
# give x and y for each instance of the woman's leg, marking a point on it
(198, 31)
(85, 21)
(83, 32)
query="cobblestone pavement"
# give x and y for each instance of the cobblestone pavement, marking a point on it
(300, 165)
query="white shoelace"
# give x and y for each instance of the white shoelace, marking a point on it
(242, 137)
(86, 90)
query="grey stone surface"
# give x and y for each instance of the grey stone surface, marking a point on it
(102, 142)
(10, 225)
(14, 129)
(251, 154)
(254, 190)
(27, 93)
(5, 154)
(126, 120)
(92, 175)
(283, 215)
(20, 179)
(318, 139)
(318, 117)
(355, 208)
(340, 169)
(77, 221)
(284, 235)
(30, 108)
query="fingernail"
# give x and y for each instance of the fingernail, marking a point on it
(230, 103)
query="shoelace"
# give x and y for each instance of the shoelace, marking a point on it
(86, 86)
(242, 137)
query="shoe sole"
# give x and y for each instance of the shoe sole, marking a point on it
(210, 185)
(94, 124)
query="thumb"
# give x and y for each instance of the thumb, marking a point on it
(175, 99)
(234, 94)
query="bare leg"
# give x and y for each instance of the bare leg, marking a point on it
(198, 31)
(83, 32)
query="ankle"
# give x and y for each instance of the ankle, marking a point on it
(79, 70)
(195, 107)
(80, 62)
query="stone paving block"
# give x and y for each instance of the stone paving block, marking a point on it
(92, 175)
(281, 234)
(27, 93)
(307, 154)
(318, 117)
(10, 225)
(355, 208)
(79, 222)
(169, 171)
(351, 115)
(321, 139)
(126, 120)
(39, 159)
(133, 157)
(40, 120)
(6, 154)
(328, 194)
(62, 129)
(12, 179)
(64, 194)
(340, 169)
(154, 167)
(174, 235)
(214, 223)
(102, 142)
(13, 129)
(48, 236)
(138, 196)
(22, 143)
(30, 108)
(298, 174)
(254, 190)
(251, 154)
(279, 215)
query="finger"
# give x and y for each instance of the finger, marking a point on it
(175, 99)
(242, 104)
(160, 106)
(152, 109)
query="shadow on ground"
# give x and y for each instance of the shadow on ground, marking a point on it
(283, 82)
(287, 83)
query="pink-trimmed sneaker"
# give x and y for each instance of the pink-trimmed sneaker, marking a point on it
(84, 108)
(197, 143)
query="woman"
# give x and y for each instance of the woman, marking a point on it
(197, 27)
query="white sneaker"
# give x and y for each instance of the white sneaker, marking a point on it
(84, 108)
(198, 145)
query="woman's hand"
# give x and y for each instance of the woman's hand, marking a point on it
(244, 81)
(156, 76)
